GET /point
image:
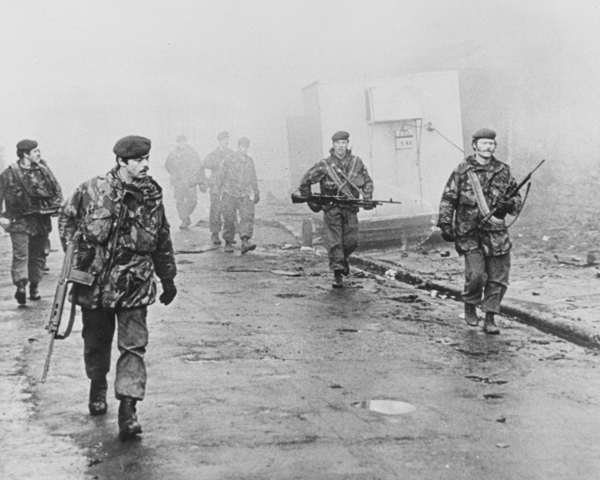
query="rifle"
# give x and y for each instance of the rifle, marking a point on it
(68, 274)
(511, 193)
(339, 200)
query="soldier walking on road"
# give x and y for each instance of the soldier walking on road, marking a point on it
(213, 162)
(123, 239)
(479, 184)
(31, 195)
(237, 181)
(185, 167)
(340, 174)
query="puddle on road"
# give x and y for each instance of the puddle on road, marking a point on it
(386, 407)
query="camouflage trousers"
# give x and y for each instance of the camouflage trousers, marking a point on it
(186, 199)
(231, 206)
(98, 332)
(486, 277)
(341, 228)
(215, 219)
(29, 257)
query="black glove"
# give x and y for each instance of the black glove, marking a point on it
(315, 207)
(256, 198)
(504, 206)
(169, 292)
(448, 233)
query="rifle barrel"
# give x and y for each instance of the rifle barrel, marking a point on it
(48, 356)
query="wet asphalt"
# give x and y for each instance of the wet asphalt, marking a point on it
(257, 375)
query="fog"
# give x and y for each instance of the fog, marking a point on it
(76, 76)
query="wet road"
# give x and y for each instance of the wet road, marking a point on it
(255, 375)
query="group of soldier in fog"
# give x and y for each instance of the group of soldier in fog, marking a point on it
(231, 184)
(119, 227)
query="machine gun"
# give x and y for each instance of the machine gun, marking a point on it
(319, 199)
(511, 193)
(68, 274)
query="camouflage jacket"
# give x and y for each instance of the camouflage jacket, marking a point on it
(184, 166)
(459, 206)
(351, 165)
(237, 176)
(31, 196)
(123, 240)
(213, 162)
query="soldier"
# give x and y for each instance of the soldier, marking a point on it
(31, 195)
(184, 166)
(475, 187)
(123, 239)
(213, 163)
(236, 181)
(340, 174)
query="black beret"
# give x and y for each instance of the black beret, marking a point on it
(132, 146)
(341, 135)
(222, 135)
(26, 145)
(244, 141)
(484, 133)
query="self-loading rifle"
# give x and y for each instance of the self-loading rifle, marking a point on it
(68, 275)
(323, 200)
(513, 192)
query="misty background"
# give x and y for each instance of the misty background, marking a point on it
(78, 75)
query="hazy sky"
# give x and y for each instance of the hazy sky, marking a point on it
(80, 74)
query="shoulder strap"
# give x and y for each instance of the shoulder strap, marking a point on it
(333, 172)
(484, 209)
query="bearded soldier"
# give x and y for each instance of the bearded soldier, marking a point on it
(479, 184)
(340, 174)
(31, 195)
(123, 238)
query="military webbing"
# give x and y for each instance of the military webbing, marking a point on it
(484, 209)
(17, 171)
(342, 187)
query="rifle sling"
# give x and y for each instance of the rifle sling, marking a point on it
(333, 173)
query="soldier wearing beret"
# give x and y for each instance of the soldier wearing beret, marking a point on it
(237, 182)
(185, 168)
(340, 174)
(475, 187)
(31, 195)
(213, 162)
(123, 239)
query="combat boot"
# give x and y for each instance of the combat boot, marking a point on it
(34, 292)
(247, 246)
(21, 293)
(128, 423)
(97, 404)
(489, 324)
(215, 239)
(471, 316)
(228, 247)
(338, 282)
